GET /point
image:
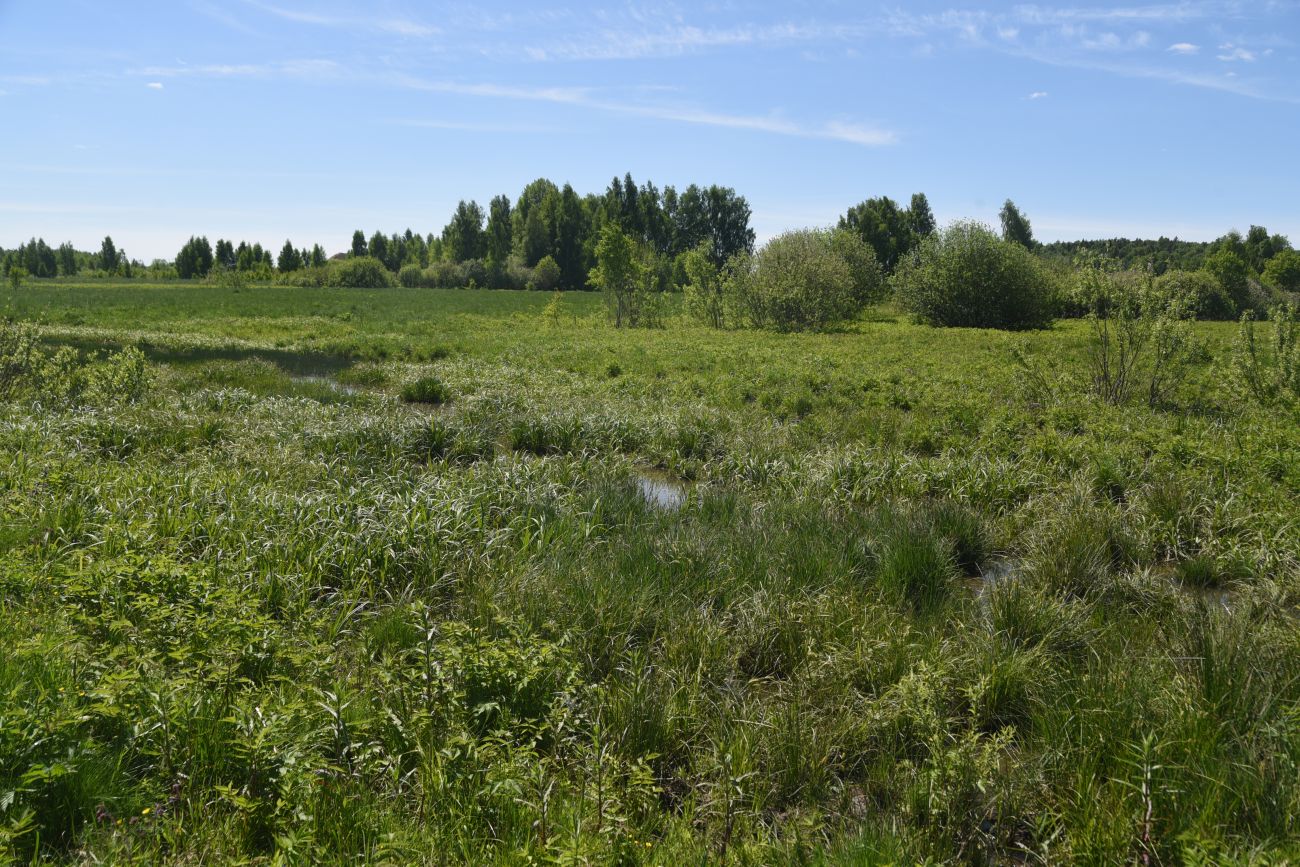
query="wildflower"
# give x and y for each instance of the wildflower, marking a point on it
(145, 811)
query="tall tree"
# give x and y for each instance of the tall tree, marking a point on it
(463, 237)
(67, 260)
(920, 216)
(728, 222)
(571, 225)
(224, 256)
(108, 255)
(1259, 248)
(379, 247)
(885, 227)
(194, 259)
(499, 240)
(359, 243)
(1015, 226)
(290, 258)
(530, 231)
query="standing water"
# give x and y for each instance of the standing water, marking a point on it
(661, 492)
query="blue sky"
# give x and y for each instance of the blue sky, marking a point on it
(267, 119)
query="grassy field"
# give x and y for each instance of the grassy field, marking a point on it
(421, 576)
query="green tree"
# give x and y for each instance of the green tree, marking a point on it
(108, 255)
(1015, 226)
(194, 259)
(885, 227)
(499, 239)
(290, 259)
(378, 247)
(67, 260)
(530, 232)
(17, 274)
(463, 238)
(1258, 248)
(318, 257)
(1283, 271)
(571, 224)
(966, 276)
(224, 255)
(359, 244)
(920, 217)
(1233, 274)
(617, 273)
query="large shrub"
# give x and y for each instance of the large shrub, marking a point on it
(545, 276)
(411, 276)
(806, 280)
(360, 272)
(966, 276)
(1203, 295)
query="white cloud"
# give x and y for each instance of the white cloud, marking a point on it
(155, 85)
(676, 39)
(1153, 12)
(1038, 94)
(1183, 48)
(1233, 53)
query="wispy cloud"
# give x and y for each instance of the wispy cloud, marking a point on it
(469, 126)
(308, 69)
(154, 85)
(1114, 40)
(1155, 12)
(675, 39)
(397, 26)
(833, 130)
(222, 15)
(1038, 94)
(852, 133)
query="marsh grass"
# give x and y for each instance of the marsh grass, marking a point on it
(425, 389)
(250, 618)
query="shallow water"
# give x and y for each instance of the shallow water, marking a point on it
(325, 380)
(991, 574)
(661, 492)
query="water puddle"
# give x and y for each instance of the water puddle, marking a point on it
(990, 575)
(325, 381)
(1211, 597)
(661, 492)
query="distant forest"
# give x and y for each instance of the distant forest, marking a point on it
(546, 238)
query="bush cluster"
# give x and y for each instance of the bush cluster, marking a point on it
(966, 276)
(805, 280)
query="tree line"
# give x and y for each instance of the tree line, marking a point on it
(39, 259)
(549, 238)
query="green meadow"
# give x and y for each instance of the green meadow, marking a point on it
(426, 576)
